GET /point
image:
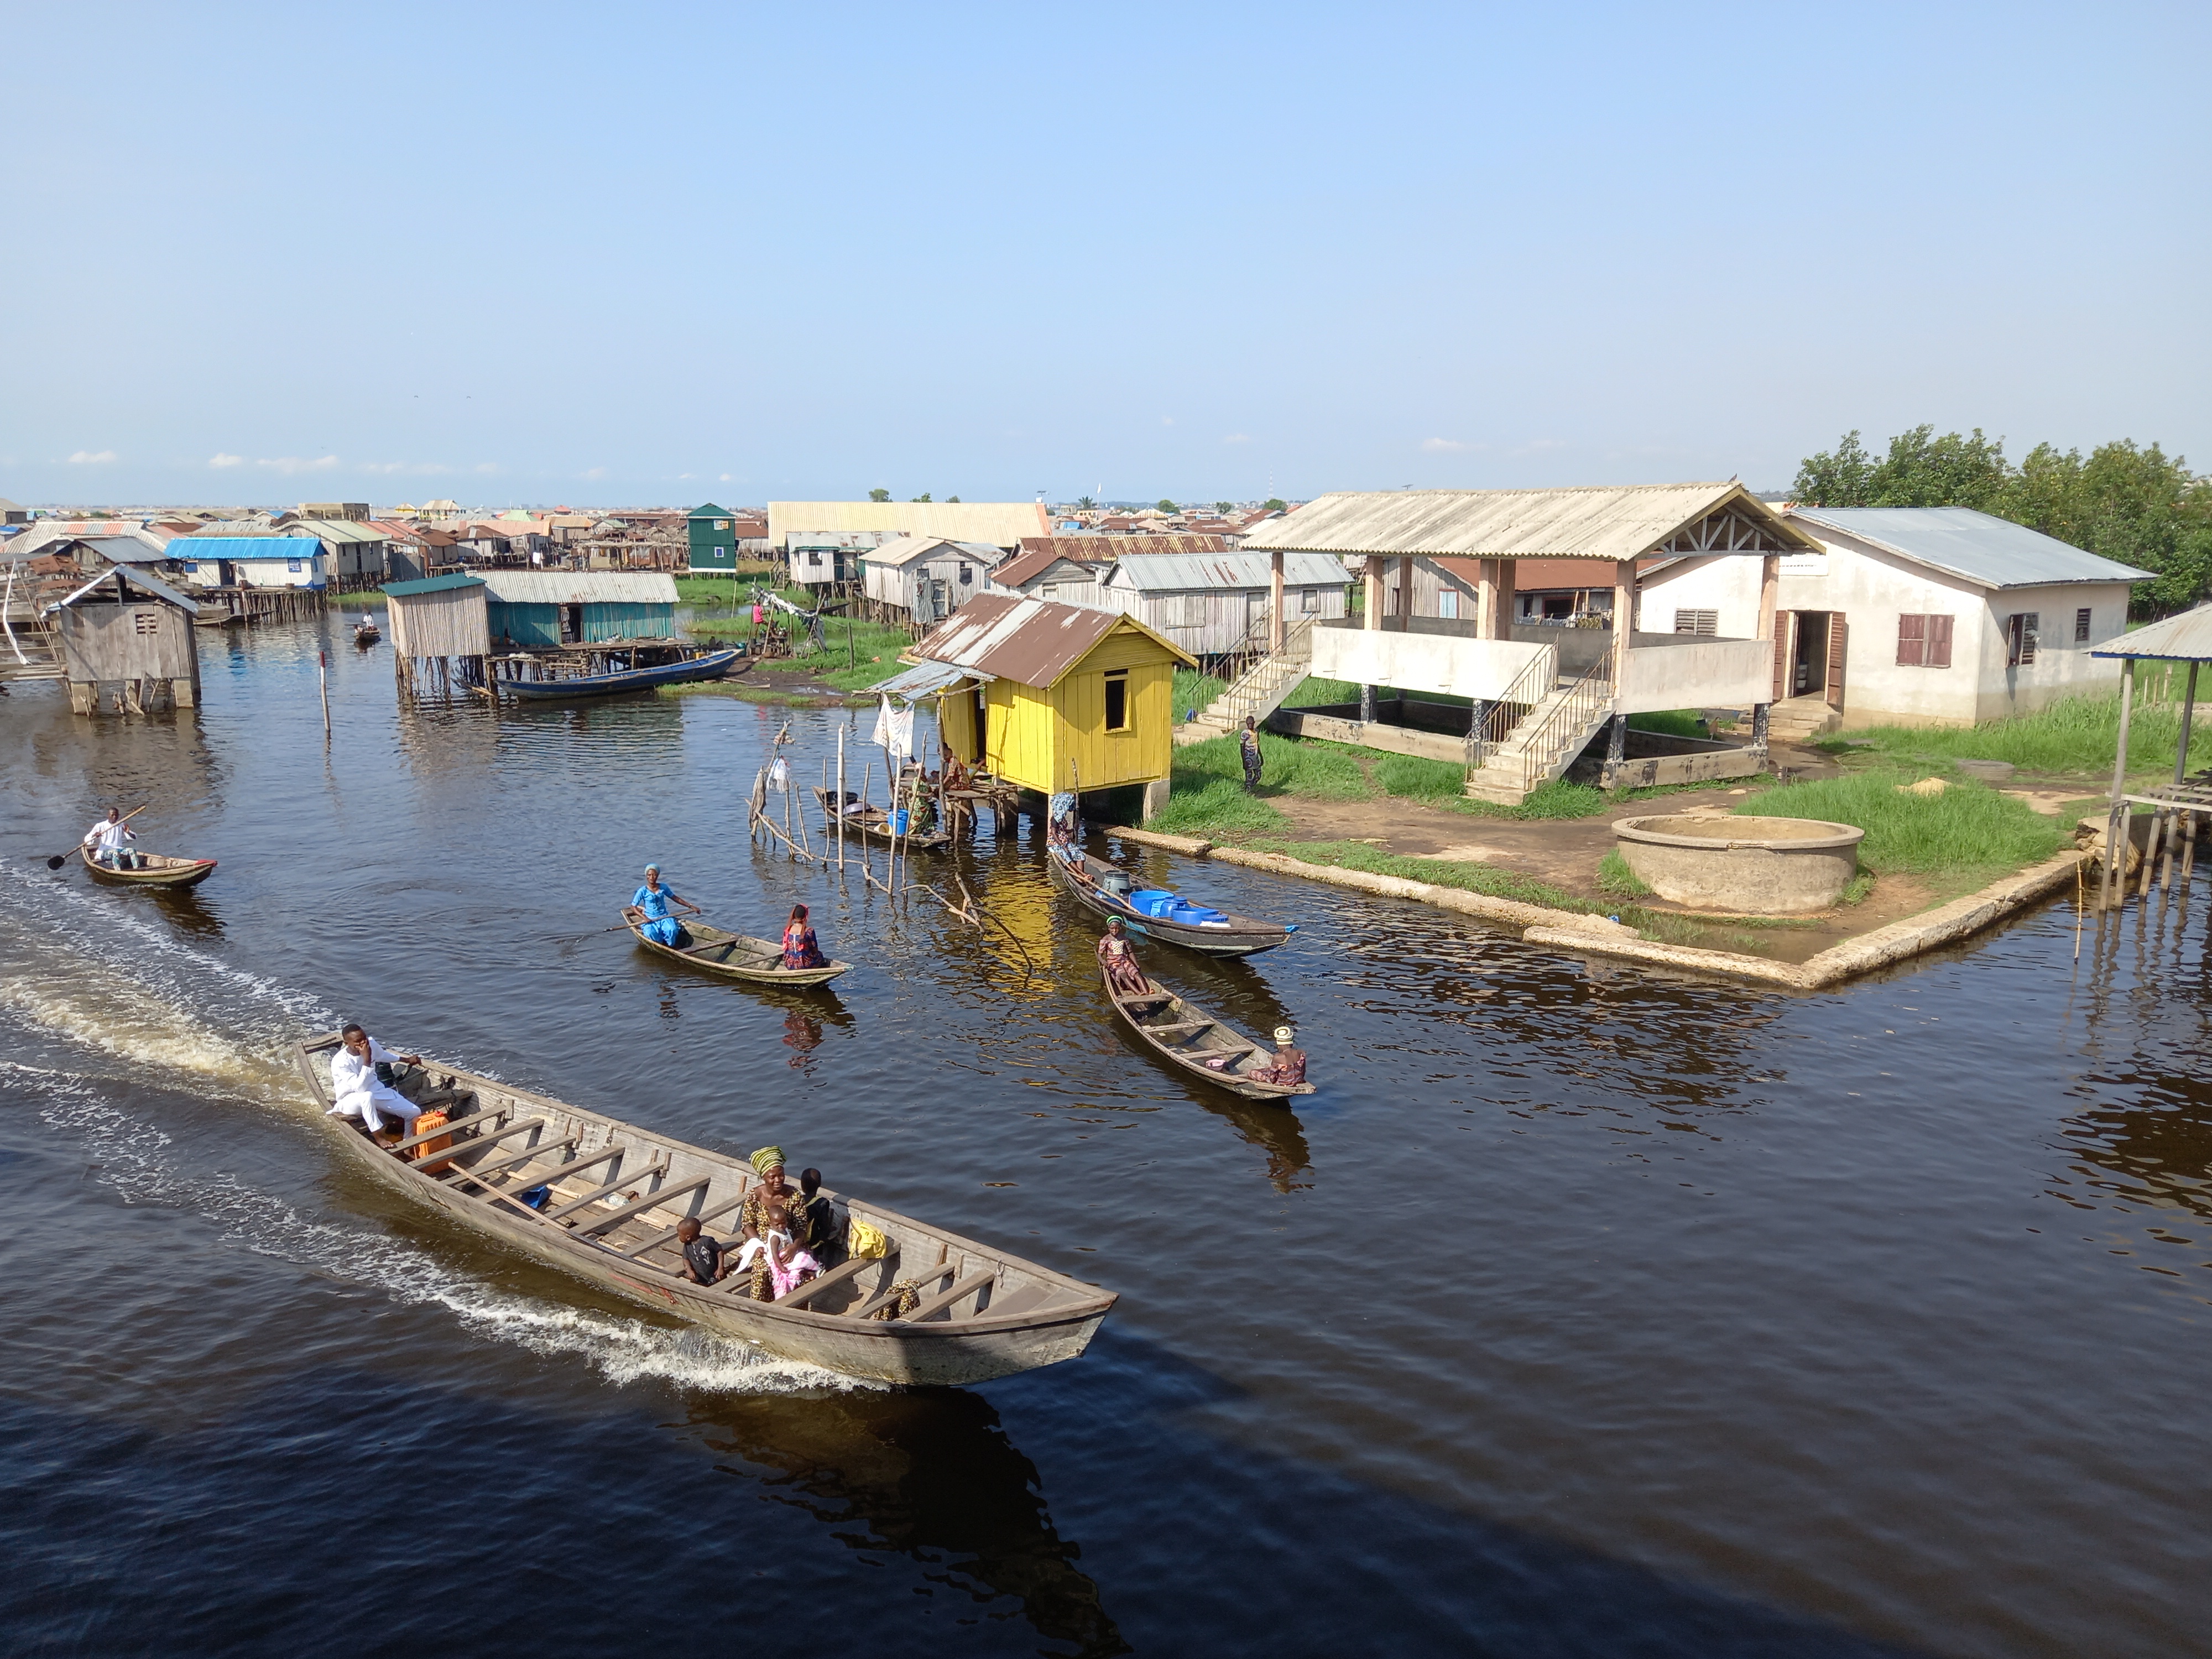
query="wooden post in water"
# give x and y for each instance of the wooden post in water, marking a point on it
(2116, 855)
(322, 675)
(841, 799)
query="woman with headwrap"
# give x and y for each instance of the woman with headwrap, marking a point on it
(652, 902)
(773, 1205)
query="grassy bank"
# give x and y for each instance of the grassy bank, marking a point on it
(2075, 736)
(873, 653)
(1964, 838)
(732, 589)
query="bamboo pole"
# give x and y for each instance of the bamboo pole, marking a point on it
(323, 674)
(2116, 857)
(840, 797)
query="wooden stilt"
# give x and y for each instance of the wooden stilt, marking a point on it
(2115, 849)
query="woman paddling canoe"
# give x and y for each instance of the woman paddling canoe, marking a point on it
(661, 926)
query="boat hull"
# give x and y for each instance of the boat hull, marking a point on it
(1052, 1317)
(171, 872)
(1244, 938)
(1189, 1061)
(782, 978)
(712, 667)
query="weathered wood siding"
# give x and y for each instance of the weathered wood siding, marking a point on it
(450, 623)
(139, 642)
(1210, 622)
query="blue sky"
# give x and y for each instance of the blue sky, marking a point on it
(660, 253)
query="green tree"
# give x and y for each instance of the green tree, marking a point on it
(1920, 470)
(1223, 506)
(879, 494)
(1086, 502)
(952, 498)
(1275, 504)
(922, 497)
(1166, 505)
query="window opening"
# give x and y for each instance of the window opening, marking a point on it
(2021, 630)
(2081, 626)
(1117, 701)
(1707, 624)
(1447, 603)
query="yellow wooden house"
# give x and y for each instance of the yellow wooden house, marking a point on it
(1050, 697)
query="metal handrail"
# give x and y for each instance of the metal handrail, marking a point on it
(1297, 649)
(1593, 690)
(1530, 687)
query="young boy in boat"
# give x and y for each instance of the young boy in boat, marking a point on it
(104, 843)
(661, 926)
(1287, 1067)
(1123, 973)
(365, 1084)
(703, 1257)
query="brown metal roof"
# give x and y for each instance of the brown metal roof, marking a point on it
(1032, 642)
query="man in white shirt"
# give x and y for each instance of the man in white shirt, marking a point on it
(357, 1091)
(105, 843)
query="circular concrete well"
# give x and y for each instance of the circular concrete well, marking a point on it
(1758, 866)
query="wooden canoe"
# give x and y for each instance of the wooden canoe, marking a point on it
(618, 1190)
(161, 870)
(875, 824)
(1233, 936)
(367, 632)
(713, 666)
(1174, 1030)
(733, 955)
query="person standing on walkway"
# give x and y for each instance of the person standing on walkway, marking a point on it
(1247, 744)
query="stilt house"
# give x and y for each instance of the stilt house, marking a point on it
(126, 636)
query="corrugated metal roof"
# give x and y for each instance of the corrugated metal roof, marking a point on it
(1002, 524)
(338, 530)
(1097, 549)
(2185, 638)
(153, 585)
(907, 549)
(123, 549)
(433, 584)
(580, 586)
(799, 540)
(1597, 521)
(245, 547)
(1154, 572)
(921, 681)
(1032, 642)
(1992, 551)
(1024, 567)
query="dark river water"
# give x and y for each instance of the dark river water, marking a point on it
(1582, 1311)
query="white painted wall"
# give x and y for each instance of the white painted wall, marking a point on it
(1699, 674)
(1425, 662)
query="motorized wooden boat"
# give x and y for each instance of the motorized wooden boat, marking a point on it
(367, 632)
(1189, 1037)
(874, 823)
(713, 666)
(733, 955)
(161, 870)
(1212, 933)
(616, 1192)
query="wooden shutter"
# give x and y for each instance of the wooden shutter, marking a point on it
(1939, 641)
(1783, 621)
(1837, 633)
(1911, 641)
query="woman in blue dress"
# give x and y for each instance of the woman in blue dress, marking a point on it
(653, 900)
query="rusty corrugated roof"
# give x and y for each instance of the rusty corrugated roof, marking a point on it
(1033, 641)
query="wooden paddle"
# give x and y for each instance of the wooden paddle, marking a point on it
(60, 858)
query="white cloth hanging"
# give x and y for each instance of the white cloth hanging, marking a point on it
(779, 775)
(894, 729)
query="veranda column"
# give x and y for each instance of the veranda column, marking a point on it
(1770, 590)
(1275, 600)
(1371, 585)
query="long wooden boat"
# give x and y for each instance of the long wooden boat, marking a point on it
(617, 1190)
(367, 632)
(1230, 936)
(1188, 1037)
(874, 823)
(733, 955)
(161, 870)
(713, 666)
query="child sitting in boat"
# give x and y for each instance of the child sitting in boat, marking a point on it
(789, 1264)
(1123, 973)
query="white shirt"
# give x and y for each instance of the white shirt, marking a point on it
(106, 837)
(354, 1089)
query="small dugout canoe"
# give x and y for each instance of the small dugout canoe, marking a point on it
(615, 1193)
(1218, 933)
(1187, 1037)
(161, 870)
(874, 823)
(734, 956)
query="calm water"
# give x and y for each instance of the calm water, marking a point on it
(1581, 1312)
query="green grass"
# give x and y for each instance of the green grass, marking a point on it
(1557, 799)
(2076, 735)
(1964, 838)
(1615, 878)
(1315, 693)
(1419, 778)
(875, 650)
(723, 590)
(1674, 722)
(1195, 690)
(1439, 873)
(1216, 807)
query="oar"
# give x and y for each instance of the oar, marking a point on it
(620, 926)
(60, 858)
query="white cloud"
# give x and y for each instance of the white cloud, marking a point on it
(1238, 437)
(220, 459)
(92, 458)
(289, 465)
(1537, 446)
(1446, 445)
(486, 466)
(727, 479)
(1167, 420)
(596, 472)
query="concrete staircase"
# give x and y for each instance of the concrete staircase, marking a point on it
(1259, 692)
(1545, 742)
(1802, 720)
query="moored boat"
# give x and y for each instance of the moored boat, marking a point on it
(874, 823)
(713, 666)
(1188, 1037)
(367, 632)
(733, 955)
(613, 1193)
(1164, 915)
(160, 871)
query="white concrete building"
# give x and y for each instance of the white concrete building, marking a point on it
(1936, 616)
